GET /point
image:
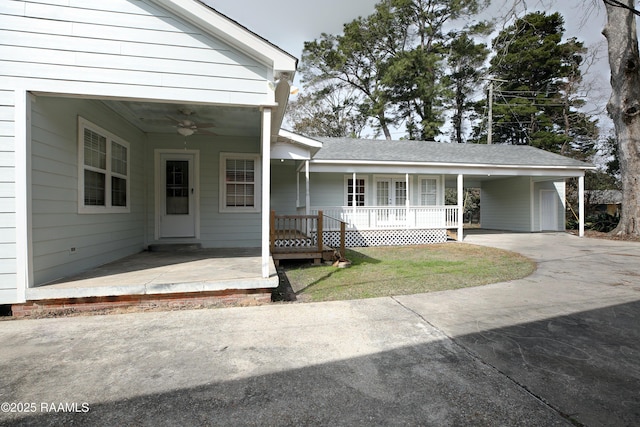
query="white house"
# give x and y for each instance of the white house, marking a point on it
(128, 123)
(393, 192)
(105, 109)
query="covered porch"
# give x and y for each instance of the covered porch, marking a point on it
(169, 146)
(384, 208)
(149, 273)
(412, 192)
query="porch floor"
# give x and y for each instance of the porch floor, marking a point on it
(150, 273)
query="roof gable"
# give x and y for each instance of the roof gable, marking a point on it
(220, 26)
(172, 50)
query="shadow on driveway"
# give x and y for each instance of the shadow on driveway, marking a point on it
(581, 369)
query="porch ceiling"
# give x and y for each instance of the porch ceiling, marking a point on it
(152, 117)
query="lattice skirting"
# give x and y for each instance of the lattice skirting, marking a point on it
(299, 242)
(364, 238)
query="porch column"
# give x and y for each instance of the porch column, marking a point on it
(581, 205)
(307, 197)
(353, 197)
(460, 207)
(407, 202)
(24, 267)
(265, 145)
(297, 189)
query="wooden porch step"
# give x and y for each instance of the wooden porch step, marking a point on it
(292, 237)
(302, 253)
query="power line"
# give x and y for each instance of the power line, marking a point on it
(531, 104)
(524, 130)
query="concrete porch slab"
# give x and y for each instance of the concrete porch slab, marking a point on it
(149, 273)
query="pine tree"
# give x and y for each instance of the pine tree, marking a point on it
(536, 103)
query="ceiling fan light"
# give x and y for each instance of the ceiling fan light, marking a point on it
(185, 131)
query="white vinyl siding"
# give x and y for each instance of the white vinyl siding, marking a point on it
(123, 48)
(505, 204)
(330, 189)
(327, 189)
(57, 226)
(8, 266)
(283, 187)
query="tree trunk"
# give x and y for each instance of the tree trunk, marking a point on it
(459, 112)
(567, 126)
(624, 109)
(384, 126)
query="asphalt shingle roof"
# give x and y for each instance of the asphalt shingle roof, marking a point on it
(436, 152)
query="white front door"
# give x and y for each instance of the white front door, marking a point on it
(176, 191)
(548, 210)
(391, 193)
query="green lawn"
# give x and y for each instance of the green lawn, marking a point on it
(386, 271)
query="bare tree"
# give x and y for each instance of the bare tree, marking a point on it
(624, 106)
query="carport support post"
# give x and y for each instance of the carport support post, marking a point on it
(307, 194)
(266, 186)
(460, 207)
(581, 205)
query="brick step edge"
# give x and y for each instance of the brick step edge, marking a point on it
(190, 300)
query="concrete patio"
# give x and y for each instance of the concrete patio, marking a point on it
(146, 273)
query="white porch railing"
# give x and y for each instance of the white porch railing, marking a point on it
(390, 217)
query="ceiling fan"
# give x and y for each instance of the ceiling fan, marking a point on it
(187, 127)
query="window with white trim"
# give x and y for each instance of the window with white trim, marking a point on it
(355, 192)
(239, 182)
(103, 173)
(428, 191)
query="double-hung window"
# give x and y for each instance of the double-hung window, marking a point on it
(103, 170)
(355, 191)
(239, 182)
(428, 192)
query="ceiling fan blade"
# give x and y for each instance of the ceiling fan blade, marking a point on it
(206, 132)
(173, 119)
(205, 125)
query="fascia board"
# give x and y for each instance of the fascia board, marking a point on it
(449, 165)
(218, 25)
(299, 139)
(440, 168)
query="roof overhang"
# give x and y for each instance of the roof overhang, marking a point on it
(351, 166)
(282, 64)
(291, 146)
(224, 28)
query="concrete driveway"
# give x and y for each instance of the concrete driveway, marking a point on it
(560, 347)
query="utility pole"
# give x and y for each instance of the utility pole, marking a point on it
(490, 118)
(490, 121)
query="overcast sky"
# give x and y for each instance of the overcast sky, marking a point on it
(289, 23)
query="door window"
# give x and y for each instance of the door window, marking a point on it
(177, 187)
